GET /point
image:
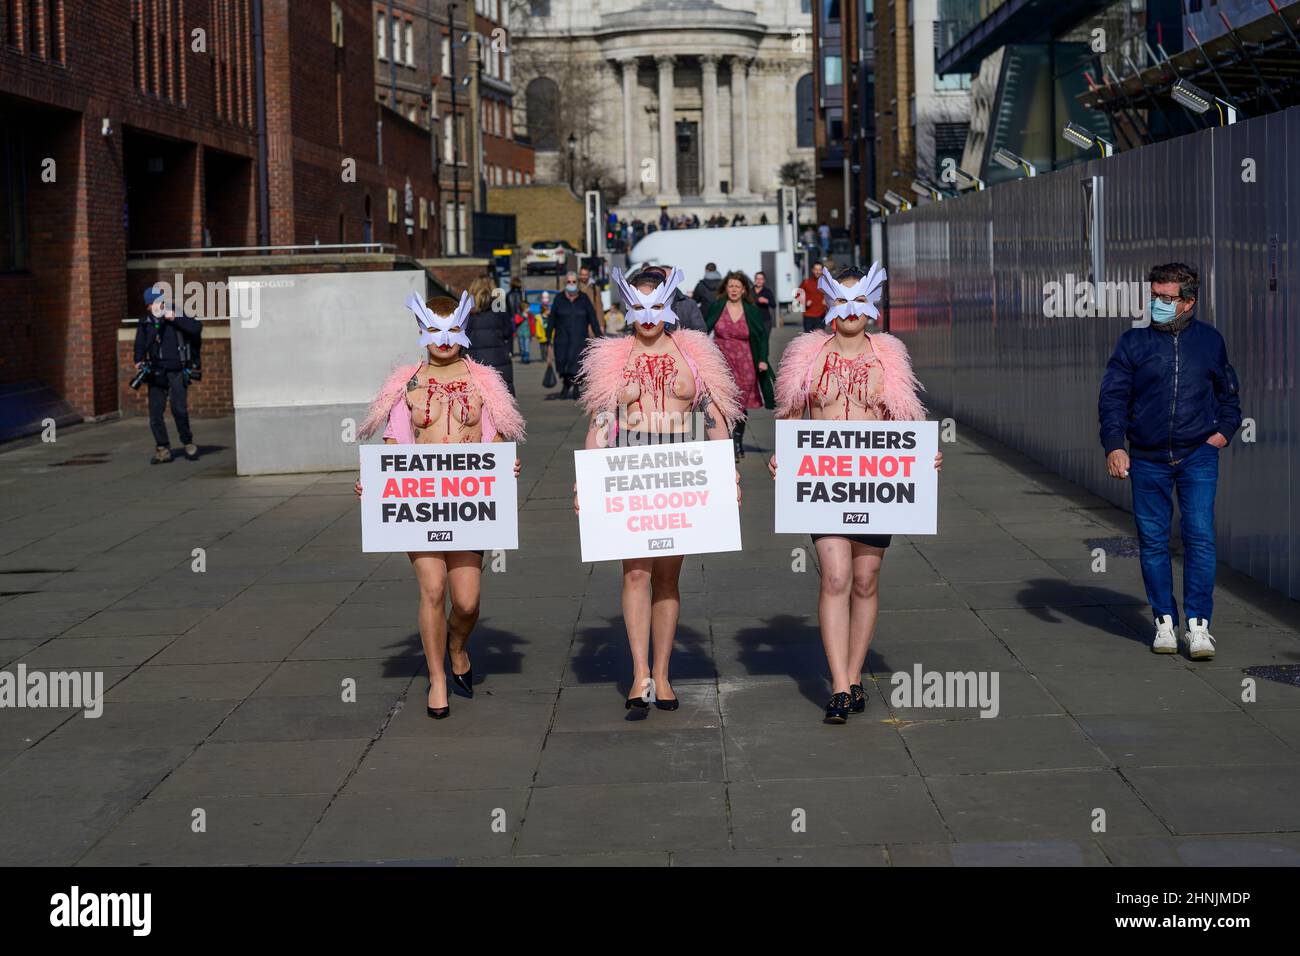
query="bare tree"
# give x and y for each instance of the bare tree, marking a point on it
(571, 114)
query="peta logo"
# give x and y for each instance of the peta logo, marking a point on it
(857, 517)
(439, 535)
(76, 909)
(661, 544)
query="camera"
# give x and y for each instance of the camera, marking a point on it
(193, 373)
(141, 375)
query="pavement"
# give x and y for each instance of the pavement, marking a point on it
(228, 735)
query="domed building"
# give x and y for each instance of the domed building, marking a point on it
(690, 104)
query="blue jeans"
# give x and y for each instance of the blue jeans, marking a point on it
(524, 340)
(1194, 478)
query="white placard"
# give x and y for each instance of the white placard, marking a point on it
(657, 500)
(439, 497)
(856, 477)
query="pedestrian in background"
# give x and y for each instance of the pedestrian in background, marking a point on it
(542, 326)
(1170, 391)
(573, 321)
(812, 300)
(766, 302)
(517, 307)
(706, 290)
(490, 330)
(167, 343)
(737, 328)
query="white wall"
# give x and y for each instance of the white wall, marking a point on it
(314, 353)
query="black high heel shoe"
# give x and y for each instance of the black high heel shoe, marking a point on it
(837, 710)
(465, 681)
(437, 713)
(642, 702)
(857, 699)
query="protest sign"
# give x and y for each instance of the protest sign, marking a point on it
(439, 497)
(856, 477)
(657, 500)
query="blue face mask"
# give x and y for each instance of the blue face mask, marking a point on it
(1163, 313)
(571, 287)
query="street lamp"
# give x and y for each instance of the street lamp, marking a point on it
(968, 177)
(875, 208)
(898, 202)
(1004, 157)
(1086, 139)
(1199, 101)
(573, 152)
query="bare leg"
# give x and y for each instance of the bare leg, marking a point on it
(665, 608)
(636, 618)
(864, 604)
(836, 560)
(431, 575)
(465, 575)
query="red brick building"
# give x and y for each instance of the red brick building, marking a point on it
(146, 125)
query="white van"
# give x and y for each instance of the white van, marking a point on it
(729, 247)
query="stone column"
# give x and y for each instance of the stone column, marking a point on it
(667, 133)
(631, 171)
(740, 126)
(711, 157)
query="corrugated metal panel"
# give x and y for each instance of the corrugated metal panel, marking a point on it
(967, 279)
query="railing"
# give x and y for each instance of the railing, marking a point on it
(379, 247)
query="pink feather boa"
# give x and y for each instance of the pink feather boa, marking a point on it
(500, 411)
(799, 364)
(600, 372)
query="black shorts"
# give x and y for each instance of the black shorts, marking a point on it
(871, 540)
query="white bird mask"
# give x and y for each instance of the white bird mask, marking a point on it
(652, 306)
(868, 290)
(442, 331)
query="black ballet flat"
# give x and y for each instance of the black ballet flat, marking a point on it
(465, 681)
(837, 710)
(642, 701)
(667, 704)
(438, 713)
(858, 699)
(636, 703)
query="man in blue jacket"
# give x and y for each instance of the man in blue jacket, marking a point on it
(1170, 391)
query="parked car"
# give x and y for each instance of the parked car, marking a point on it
(547, 255)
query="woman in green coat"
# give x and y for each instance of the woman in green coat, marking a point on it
(739, 333)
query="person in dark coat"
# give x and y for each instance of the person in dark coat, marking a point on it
(707, 289)
(573, 320)
(168, 342)
(490, 331)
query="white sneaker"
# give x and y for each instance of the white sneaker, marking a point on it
(1166, 641)
(1200, 645)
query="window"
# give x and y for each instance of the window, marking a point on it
(804, 112)
(13, 202)
(410, 43)
(392, 205)
(542, 97)
(830, 10)
(397, 39)
(381, 36)
(424, 214)
(832, 71)
(336, 25)
(446, 56)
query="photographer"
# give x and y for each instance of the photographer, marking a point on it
(167, 357)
